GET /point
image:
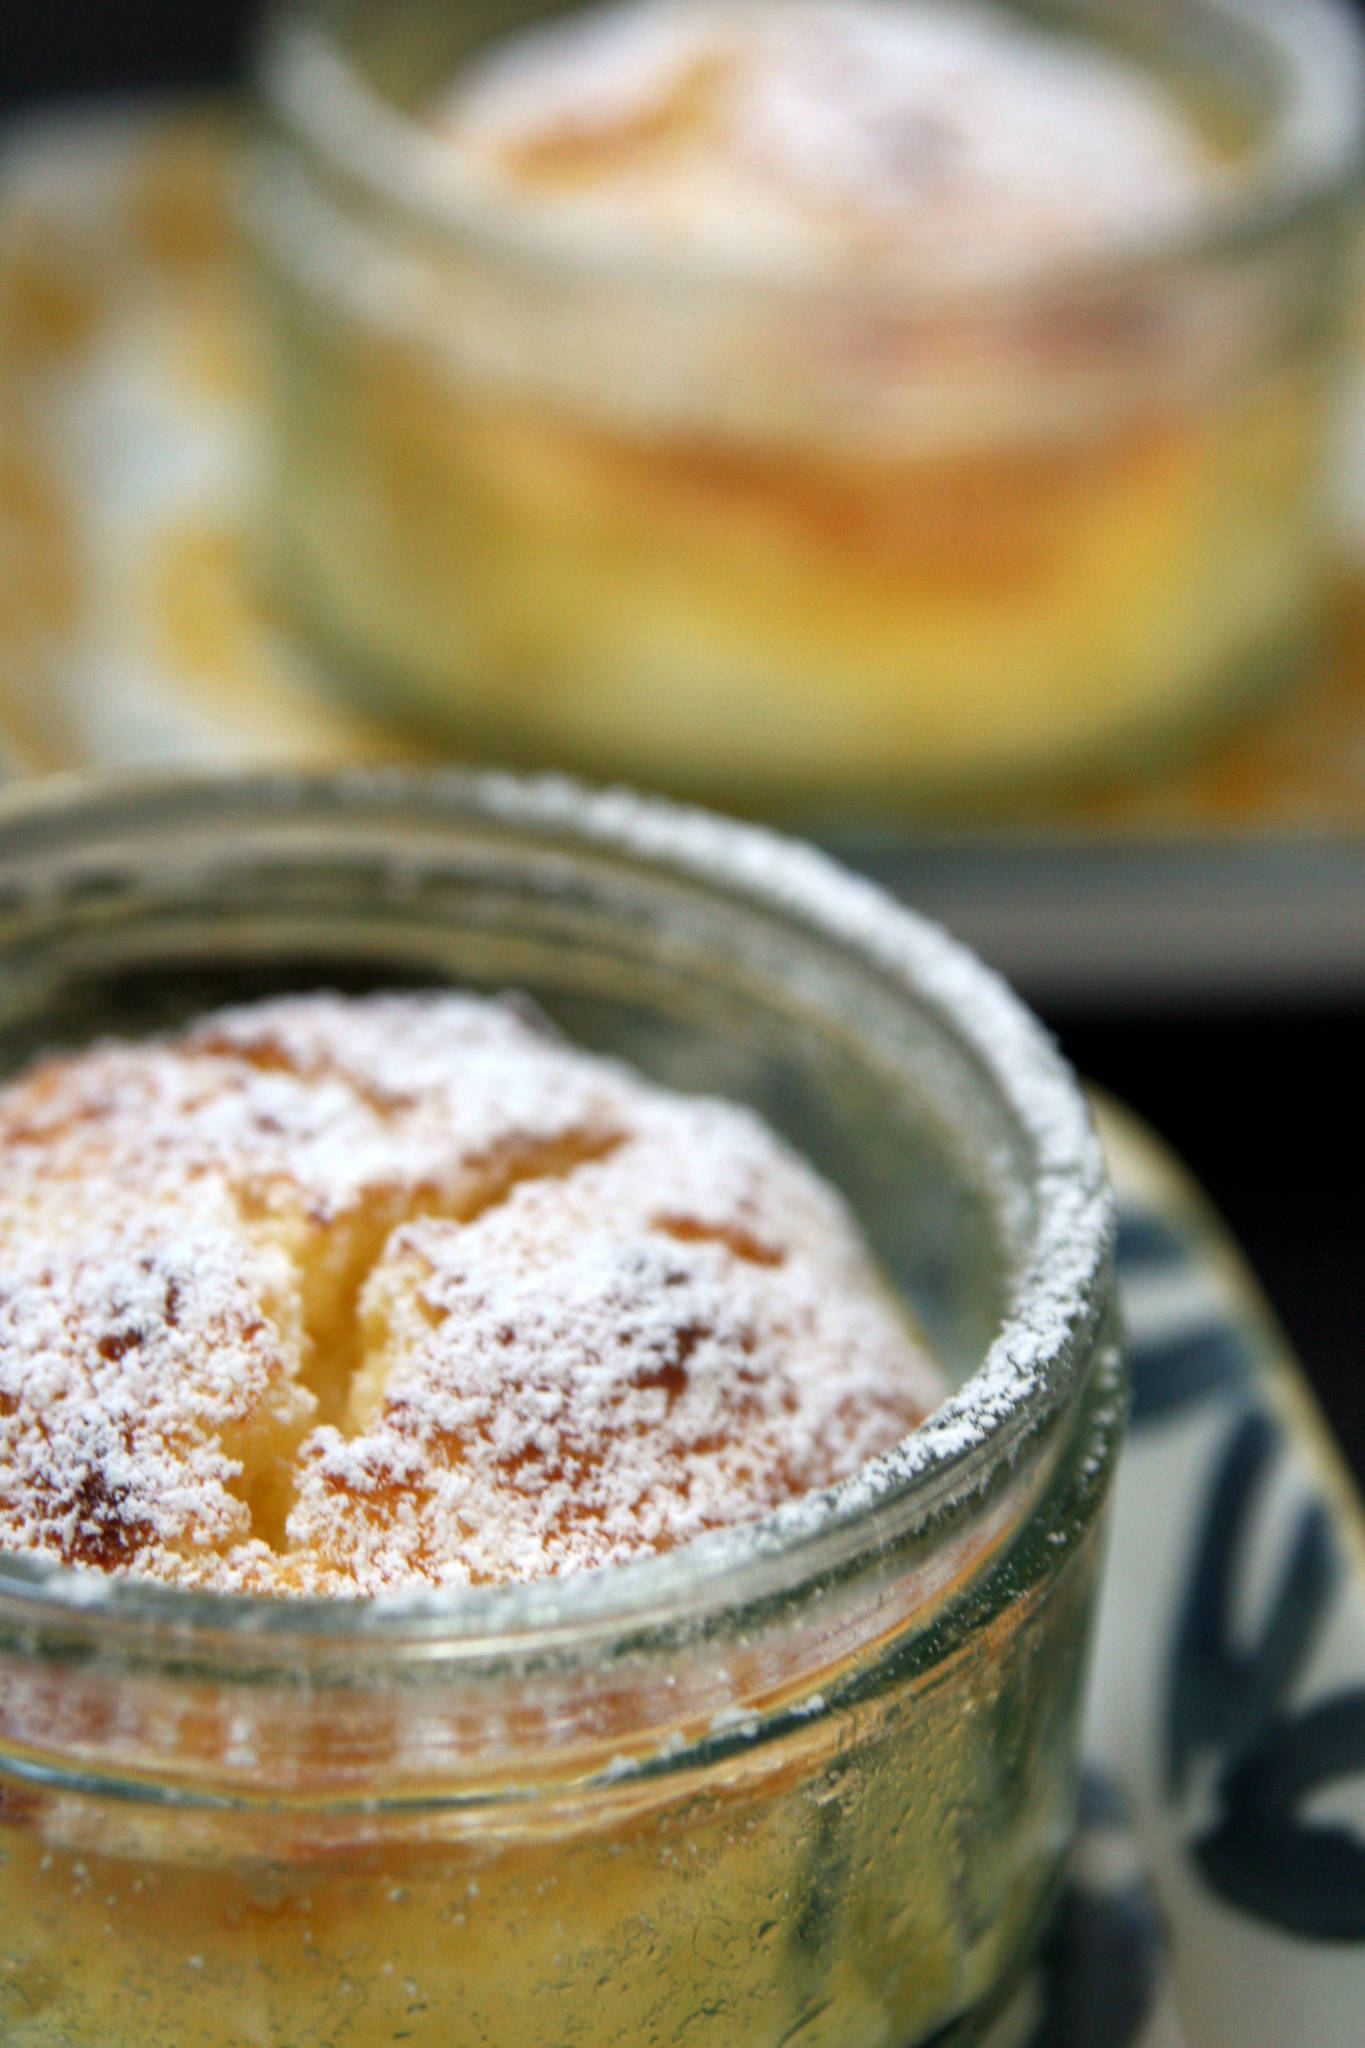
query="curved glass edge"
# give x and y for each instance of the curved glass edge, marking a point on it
(1051, 1538)
(1311, 52)
(909, 1496)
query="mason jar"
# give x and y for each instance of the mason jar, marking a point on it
(844, 542)
(810, 1778)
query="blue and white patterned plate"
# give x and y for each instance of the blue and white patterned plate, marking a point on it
(1217, 1897)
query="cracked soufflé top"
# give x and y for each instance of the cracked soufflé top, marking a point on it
(345, 1296)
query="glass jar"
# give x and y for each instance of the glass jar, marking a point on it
(822, 545)
(812, 1777)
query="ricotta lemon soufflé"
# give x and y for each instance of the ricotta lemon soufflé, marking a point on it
(355, 1297)
(785, 400)
(339, 1296)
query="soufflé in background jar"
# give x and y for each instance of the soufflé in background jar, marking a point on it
(562, 1516)
(822, 404)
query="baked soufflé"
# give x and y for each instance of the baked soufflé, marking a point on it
(344, 1296)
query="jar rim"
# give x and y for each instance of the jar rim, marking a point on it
(1027, 1377)
(1313, 157)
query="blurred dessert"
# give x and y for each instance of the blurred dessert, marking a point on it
(800, 401)
(346, 1297)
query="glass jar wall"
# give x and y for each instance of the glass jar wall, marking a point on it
(814, 1775)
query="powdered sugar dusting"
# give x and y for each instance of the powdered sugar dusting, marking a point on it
(872, 131)
(1068, 1231)
(349, 1296)
(133, 1371)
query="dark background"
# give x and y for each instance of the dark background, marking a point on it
(1263, 1103)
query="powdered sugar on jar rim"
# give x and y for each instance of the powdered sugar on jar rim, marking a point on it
(1055, 1204)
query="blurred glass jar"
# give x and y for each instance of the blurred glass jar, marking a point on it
(822, 543)
(816, 1773)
